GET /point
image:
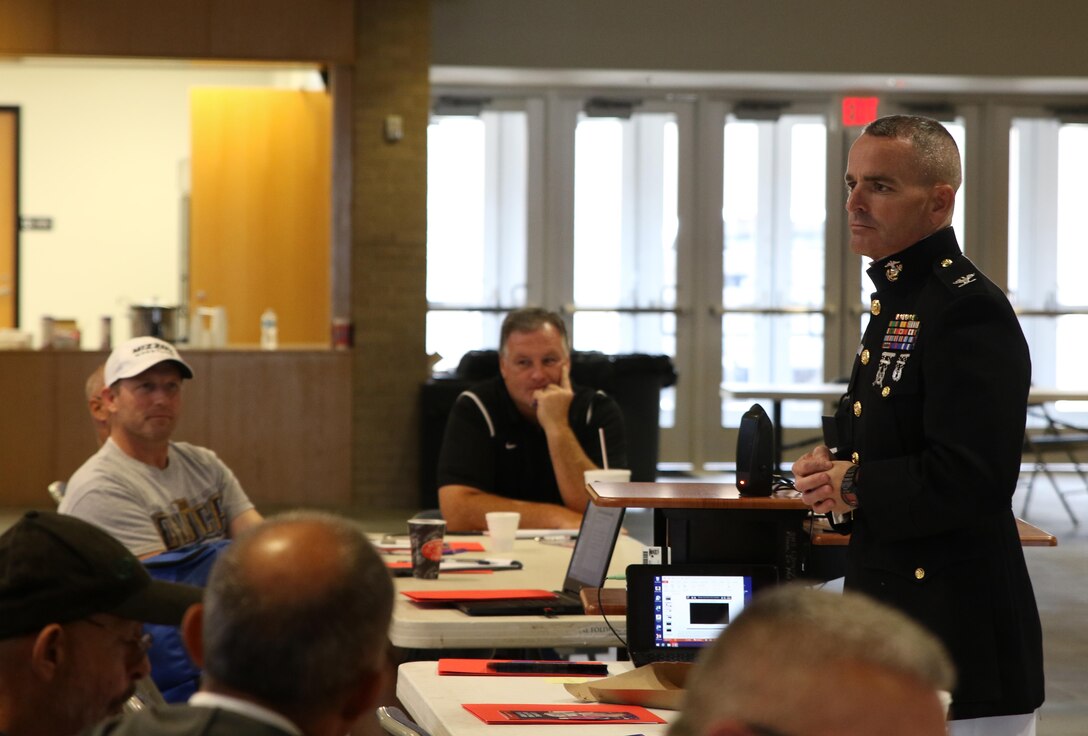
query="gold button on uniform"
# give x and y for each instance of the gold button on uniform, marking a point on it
(885, 391)
(857, 408)
(919, 573)
(855, 458)
(865, 356)
(946, 263)
(875, 307)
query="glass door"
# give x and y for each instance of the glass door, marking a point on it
(477, 236)
(774, 292)
(1048, 252)
(628, 184)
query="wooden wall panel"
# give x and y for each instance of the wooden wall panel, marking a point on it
(287, 435)
(72, 432)
(281, 421)
(275, 29)
(261, 212)
(27, 446)
(177, 28)
(284, 30)
(28, 25)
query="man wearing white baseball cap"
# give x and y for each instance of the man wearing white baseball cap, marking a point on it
(149, 492)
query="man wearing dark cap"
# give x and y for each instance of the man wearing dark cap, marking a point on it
(72, 600)
(151, 493)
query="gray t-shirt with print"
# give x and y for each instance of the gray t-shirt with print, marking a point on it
(193, 499)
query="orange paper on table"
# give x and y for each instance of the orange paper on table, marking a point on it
(524, 714)
(453, 596)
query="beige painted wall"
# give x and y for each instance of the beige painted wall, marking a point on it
(105, 151)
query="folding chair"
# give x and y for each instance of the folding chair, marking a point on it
(393, 720)
(1057, 437)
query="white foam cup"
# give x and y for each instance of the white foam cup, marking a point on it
(617, 475)
(502, 527)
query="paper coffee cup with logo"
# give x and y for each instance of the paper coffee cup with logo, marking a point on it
(426, 537)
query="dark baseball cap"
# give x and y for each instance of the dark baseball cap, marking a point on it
(56, 568)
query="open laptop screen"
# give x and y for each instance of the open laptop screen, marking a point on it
(593, 550)
(691, 610)
(675, 610)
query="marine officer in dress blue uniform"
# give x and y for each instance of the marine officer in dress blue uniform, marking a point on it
(929, 435)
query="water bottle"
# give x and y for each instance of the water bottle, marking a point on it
(269, 330)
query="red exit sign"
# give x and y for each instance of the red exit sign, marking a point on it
(859, 110)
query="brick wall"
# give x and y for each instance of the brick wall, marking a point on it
(389, 232)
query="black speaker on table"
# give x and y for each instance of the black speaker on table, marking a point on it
(755, 453)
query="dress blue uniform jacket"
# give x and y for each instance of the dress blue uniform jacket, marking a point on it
(934, 417)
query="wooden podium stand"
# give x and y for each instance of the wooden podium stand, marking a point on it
(712, 522)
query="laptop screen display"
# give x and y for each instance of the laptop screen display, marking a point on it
(593, 550)
(691, 610)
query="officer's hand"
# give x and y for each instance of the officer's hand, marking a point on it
(819, 477)
(553, 401)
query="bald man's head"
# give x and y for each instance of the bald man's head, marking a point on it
(297, 612)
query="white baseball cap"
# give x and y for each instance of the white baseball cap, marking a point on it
(133, 357)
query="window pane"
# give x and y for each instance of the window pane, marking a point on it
(615, 333)
(455, 210)
(625, 227)
(1047, 257)
(451, 334)
(476, 227)
(1072, 196)
(773, 217)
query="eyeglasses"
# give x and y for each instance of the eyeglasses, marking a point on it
(141, 643)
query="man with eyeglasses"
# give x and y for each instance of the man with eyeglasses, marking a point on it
(151, 493)
(72, 647)
(523, 440)
(804, 662)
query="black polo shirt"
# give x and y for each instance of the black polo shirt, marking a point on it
(490, 446)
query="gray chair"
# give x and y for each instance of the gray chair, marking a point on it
(393, 720)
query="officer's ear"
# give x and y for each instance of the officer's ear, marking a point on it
(942, 203)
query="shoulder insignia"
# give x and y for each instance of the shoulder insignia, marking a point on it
(958, 272)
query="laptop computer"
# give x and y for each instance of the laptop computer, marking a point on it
(588, 566)
(673, 611)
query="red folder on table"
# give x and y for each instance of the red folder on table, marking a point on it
(449, 548)
(521, 667)
(455, 596)
(582, 714)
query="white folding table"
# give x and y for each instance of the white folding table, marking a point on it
(435, 703)
(544, 567)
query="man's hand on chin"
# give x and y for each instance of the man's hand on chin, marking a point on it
(553, 402)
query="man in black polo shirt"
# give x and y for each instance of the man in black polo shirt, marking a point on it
(522, 441)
